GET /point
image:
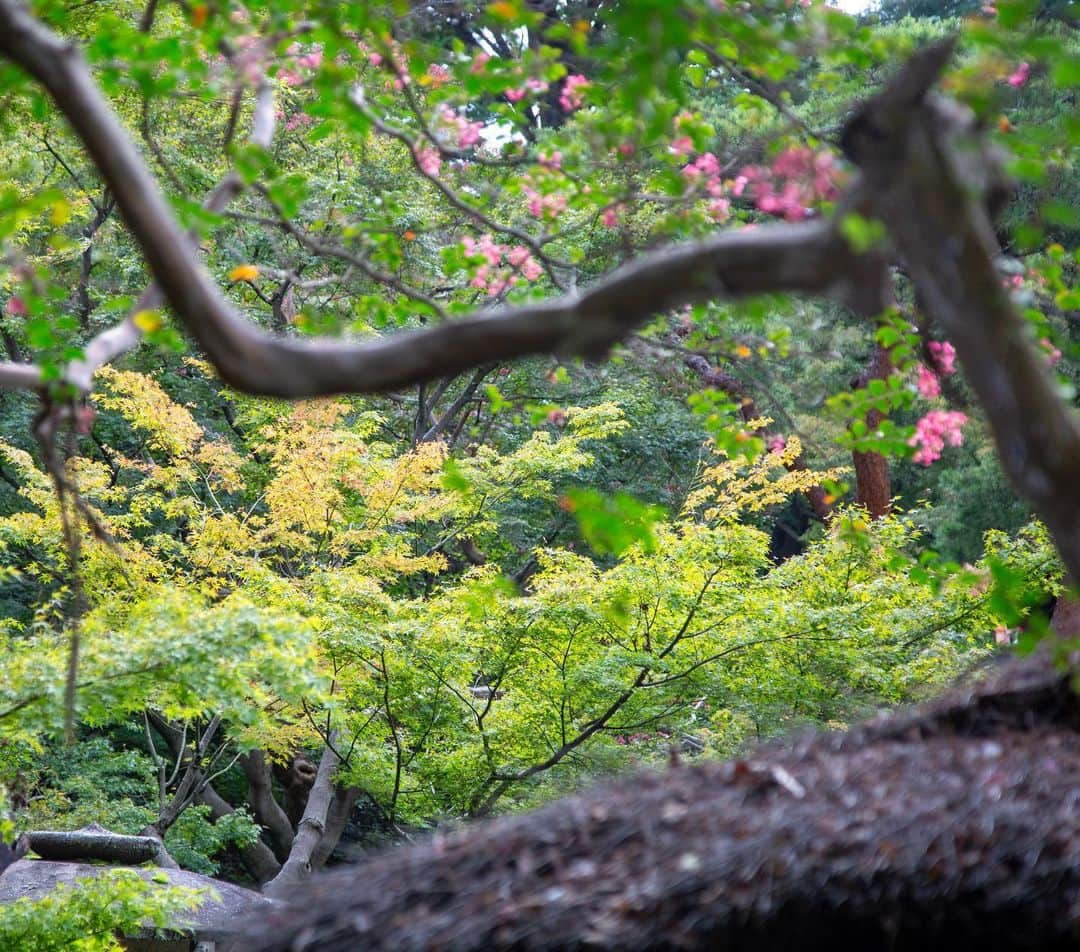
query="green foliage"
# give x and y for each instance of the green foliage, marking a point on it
(92, 916)
(496, 587)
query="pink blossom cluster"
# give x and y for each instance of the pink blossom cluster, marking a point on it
(298, 120)
(532, 85)
(933, 431)
(438, 75)
(1052, 354)
(704, 172)
(944, 356)
(612, 215)
(927, 383)
(571, 97)
(462, 133)
(502, 264)
(428, 158)
(1019, 76)
(299, 63)
(548, 206)
(797, 179)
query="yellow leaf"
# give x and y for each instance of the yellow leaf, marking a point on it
(61, 213)
(244, 272)
(147, 321)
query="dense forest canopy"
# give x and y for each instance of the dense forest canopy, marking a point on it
(413, 412)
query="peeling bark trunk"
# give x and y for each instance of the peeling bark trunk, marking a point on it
(872, 486)
(257, 858)
(296, 778)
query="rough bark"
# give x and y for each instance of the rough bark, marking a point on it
(93, 842)
(872, 485)
(949, 827)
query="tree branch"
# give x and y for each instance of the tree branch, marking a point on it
(809, 257)
(311, 829)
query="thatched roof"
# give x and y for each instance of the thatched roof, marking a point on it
(216, 917)
(954, 826)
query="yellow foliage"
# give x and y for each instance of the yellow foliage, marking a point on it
(168, 427)
(734, 486)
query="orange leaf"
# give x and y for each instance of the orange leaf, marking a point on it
(244, 272)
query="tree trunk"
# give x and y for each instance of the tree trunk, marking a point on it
(258, 858)
(340, 810)
(260, 798)
(872, 487)
(952, 827)
(310, 830)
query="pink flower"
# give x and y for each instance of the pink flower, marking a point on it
(928, 383)
(552, 160)
(544, 206)
(298, 121)
(1053, 355)
(1019, 76)
(429, 160)
(944, 356)
(777, 444)
(933, 431)
(461, 132)
(704, 166)
(610, 218)
(719, 209)
(438, 74)
(515, 95)
(16, 306)
(682, 146)
(571, 97)
(479, 61)
(310, 60)
(520, 259)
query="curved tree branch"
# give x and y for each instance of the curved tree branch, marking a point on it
(809, 257)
